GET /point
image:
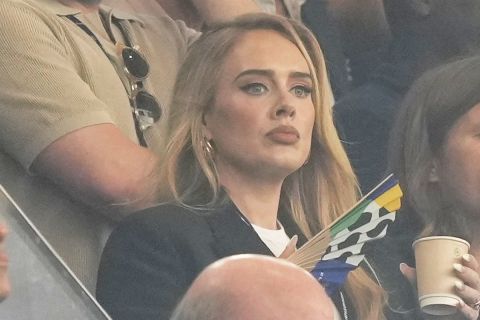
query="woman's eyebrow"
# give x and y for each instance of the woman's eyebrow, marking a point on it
(260, 72)
(301, 75)
(271, 73)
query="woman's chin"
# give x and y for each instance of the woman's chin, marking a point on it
(283, 168)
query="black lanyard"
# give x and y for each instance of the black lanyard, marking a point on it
(81, 25)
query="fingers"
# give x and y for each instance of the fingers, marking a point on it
(409, 273)
(3, 231)
(3, 235)
(469, 261)
(290, 248)
(468, 287)
(469, 290)
(469, 312)
(4, 282)
(467, 293)
(5, 287)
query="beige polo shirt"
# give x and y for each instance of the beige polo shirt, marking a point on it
(294, 7)
(54, 78)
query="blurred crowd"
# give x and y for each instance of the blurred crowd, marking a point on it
(205, 129)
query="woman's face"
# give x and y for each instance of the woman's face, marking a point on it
(262, 119)
(458, 166)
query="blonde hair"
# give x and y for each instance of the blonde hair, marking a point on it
(315, 194)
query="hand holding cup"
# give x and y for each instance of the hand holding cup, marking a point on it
(448, 278)
(468, 286)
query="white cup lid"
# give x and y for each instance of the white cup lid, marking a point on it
(439, 304)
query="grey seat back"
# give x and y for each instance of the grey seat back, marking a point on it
(74, 231)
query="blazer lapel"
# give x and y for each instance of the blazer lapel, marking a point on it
(232, 234)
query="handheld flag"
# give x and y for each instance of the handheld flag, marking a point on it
(337, 249)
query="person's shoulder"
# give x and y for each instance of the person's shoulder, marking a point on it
(160, 24)
(166, 227)
(28, 14)
(166, 219)
(24, 5)
(171, 213)
(18, 2)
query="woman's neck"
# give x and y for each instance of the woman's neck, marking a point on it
(256, 198)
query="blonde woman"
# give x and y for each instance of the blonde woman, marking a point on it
(253, 160)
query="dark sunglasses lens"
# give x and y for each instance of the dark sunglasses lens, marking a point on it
(149, 104)
(135, 63)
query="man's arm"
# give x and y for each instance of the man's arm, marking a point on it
(55, 125)
(101, 167)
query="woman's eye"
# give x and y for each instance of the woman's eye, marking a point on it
(254, 88)
(301, 91)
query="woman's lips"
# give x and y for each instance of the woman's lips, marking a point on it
(284, 135)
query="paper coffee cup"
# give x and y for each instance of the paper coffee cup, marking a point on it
(436, 277)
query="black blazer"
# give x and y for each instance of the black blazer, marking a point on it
(151, 259)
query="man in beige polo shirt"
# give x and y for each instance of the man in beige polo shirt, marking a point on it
(65, 93)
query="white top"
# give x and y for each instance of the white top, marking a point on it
(275, 240)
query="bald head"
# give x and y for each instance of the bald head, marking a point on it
(254, 287)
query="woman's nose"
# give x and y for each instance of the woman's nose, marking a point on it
(285, 110)
(284, 107)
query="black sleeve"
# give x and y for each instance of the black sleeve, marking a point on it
(141, 274)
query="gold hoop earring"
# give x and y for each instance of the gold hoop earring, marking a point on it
(207, 148)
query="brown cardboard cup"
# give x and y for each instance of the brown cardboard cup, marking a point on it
(436, 277)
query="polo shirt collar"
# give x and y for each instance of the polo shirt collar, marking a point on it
(122, 15)
(60, 9)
